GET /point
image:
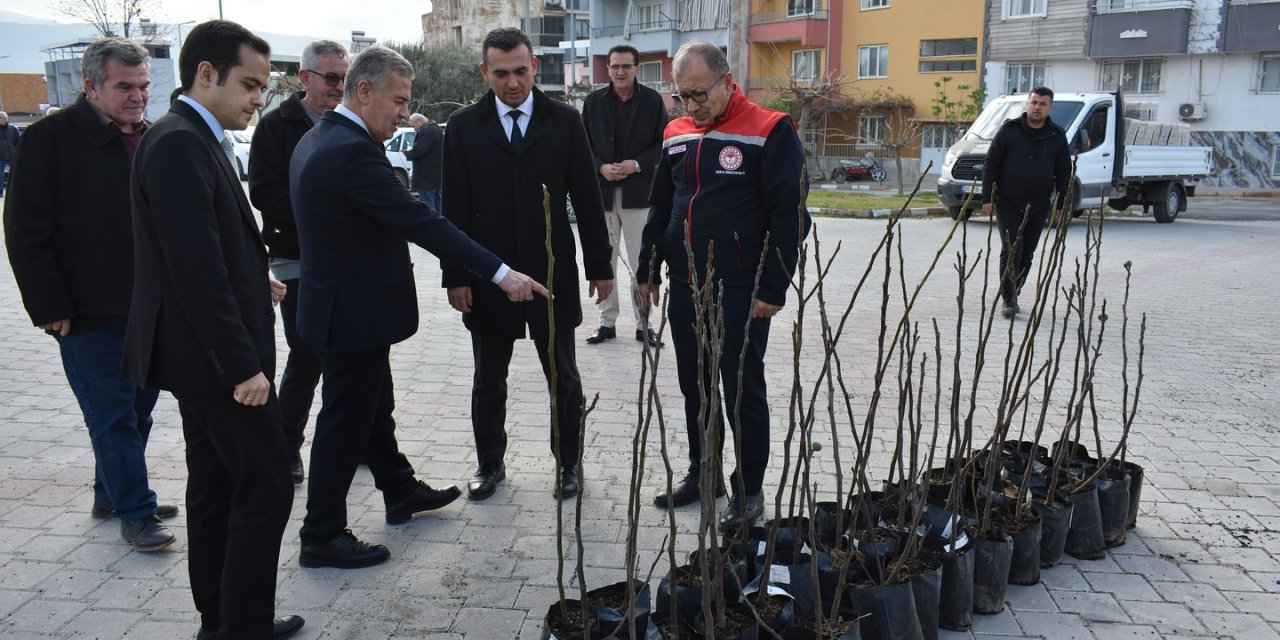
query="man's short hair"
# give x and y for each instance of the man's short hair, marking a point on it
(710, 54)
(1043, 91)
(417, 120)
(313, 51)
(93, 66)
(218, 43)
(376, 65)
(624, 48)
(505, 39)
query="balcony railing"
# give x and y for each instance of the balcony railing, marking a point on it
(770, 17)
(1129, 6)
(635, 27)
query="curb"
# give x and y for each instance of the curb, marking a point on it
(876, 213)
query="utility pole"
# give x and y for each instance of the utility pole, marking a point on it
(739, 17)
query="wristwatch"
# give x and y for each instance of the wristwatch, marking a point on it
(637, 163)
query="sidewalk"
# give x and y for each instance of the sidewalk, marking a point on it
(1203, 562)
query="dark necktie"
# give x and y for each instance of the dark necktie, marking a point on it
(516, 136)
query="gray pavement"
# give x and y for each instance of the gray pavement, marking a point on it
(1204, 560)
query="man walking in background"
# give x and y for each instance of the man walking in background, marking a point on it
(624, 126)
(323, 72)
(426, 154)
(8, 146)
(70, 242)
(1028, 161)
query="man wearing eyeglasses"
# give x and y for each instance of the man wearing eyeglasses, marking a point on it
(323, 72)
(731, 173)
(624, 125)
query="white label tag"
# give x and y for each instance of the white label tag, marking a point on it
(779, 575)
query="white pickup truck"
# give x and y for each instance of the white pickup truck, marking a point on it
(1150, 165)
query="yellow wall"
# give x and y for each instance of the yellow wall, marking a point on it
(902, 26)
(771, 63)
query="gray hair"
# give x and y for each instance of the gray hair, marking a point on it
(417, 120)
(312, 52)
(375, 65)
(710, 54)
(93, 66)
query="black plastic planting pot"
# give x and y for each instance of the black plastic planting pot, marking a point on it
(889, 610)
(955, 606)
(1084, 538)
(926, 586)
(781, 619)
(609, 610)
(1113, 505)
(688, 587)
(1055, 522)
(1135, 492)
(991, 572)
(1024, 564)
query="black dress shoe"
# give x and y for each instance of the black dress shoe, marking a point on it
(296, 471)
(163, 511)
(650, 335)
(282, 628)
(741, 514)
(601, 334)
(344, 552)
(146, 534)
(569, 483)
(685, 492)
(485, 481)
(423, 498)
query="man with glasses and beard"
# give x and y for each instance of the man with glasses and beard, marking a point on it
(323, 72)
(731, 172)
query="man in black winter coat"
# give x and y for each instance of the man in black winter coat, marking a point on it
(426, 154)
(1027, 163)
(323, 74)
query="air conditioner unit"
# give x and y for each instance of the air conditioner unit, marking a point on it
(1192, 111)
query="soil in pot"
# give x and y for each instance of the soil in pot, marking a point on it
(1135, 492)
(607, 617)
(889, 612)
(741, 624)
(878, 547)
(1113, 505)
(680, 631)
(688, 587)
(833, 630)
(1055, 521)
(991, 559)
(1084, 538)
(1023, 527)
(796, 580)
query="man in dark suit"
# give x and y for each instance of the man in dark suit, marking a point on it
(499, 153)
(324, 68)
(426, 154)
(358, 298)
(201, 327)
(624, 125)
(70, 243)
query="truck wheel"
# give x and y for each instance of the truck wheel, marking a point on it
(958, 213)
(1170, 202)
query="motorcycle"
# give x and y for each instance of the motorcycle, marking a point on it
(864, 167)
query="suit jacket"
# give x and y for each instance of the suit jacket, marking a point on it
(273, 143)
(426, 154)
(646, 119)
(494, 194)
(201, 319)
(354, 218)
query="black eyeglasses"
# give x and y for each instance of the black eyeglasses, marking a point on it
(332, 79)
(699, 97)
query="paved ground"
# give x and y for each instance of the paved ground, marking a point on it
(1204, 560)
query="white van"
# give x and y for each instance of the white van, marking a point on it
(395, 145)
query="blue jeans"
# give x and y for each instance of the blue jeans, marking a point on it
(431, 197)
(118, 415)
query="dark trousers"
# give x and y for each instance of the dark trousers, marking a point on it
(489, 395)
(752, 439)
(301, 372)
(117, 413)
(1017, 247)
(238, 501)
(354, 424)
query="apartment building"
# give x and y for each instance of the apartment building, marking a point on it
(656, 28)
(1212, 64)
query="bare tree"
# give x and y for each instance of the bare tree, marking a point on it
(112, 18)
(901, 128)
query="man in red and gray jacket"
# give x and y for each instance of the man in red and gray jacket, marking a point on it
(730, 173)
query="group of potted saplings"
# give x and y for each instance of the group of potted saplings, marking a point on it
(955, 520)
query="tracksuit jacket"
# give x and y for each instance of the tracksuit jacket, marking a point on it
(733, 182)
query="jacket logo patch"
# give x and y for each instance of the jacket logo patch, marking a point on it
(730, 158)
(676, 149)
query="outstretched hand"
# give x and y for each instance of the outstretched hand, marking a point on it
(520, 288)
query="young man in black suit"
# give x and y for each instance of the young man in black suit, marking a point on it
(358, 298)
(499, 153)
(201, 327)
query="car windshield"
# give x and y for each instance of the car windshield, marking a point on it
(985, 127)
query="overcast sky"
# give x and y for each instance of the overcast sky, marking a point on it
(399, 20)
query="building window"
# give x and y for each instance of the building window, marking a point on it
(930, 66)
(875, 4)
(1132, 76)
(873, 61)
(648, 17)
(870, 129)
(938, 136)
(1269, 73)
(1024, 8)
(801, 7)
(952, 47)
(649, 74)
(806, 64)
(1022, 77)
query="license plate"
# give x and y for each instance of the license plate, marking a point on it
(971, 188)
